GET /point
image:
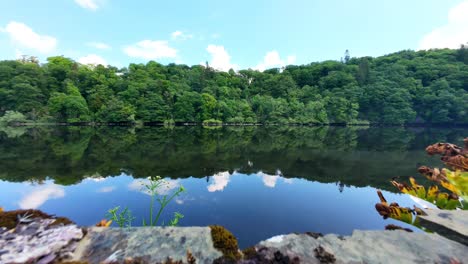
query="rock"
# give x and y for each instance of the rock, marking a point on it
(451, 224)
(149, 244)
(362, 247)
(36, 242)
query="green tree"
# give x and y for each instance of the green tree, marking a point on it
(69, 106)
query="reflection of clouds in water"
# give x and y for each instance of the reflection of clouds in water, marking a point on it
(270, 180)
(40, 195)
(220, 181)
(96, 177)
(288, 181)
(106, 189)
(164, 189)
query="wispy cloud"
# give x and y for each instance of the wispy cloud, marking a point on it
(25, 37)
(92, 59)
(150, 50)
(88, 4)
(106, 189)
(40, 195)
(179, 35)
(98, 45)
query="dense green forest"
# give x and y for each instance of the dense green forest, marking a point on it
(404, 87)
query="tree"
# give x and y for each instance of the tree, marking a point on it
(115, 110)
(208, 107)
(69, 106)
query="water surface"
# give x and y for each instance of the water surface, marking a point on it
(257, 182)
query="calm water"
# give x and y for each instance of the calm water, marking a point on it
(257, 182)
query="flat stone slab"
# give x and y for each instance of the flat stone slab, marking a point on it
(147, 244)
(363, 247)
(451, 224)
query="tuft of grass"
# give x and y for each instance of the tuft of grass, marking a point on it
(153, 188)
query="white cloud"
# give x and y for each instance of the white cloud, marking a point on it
(179, 35)
(450, 35)
(220, 181)
(92, 59)
(150, 50)
(88, 4)
(273, 60)
(220, 59)
(291, 59)
(25, 37)
(98, 45)
(39, 196)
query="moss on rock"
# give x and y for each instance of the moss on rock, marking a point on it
(226, 242)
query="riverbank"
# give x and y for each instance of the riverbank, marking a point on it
(131, 124)
(35, 237)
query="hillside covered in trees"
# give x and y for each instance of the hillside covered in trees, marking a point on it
(404, 87)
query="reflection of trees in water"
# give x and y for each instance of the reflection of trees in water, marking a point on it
(350, 156)
(13, 132)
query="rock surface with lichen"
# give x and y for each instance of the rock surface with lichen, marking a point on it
(38, 241)
(35, 237)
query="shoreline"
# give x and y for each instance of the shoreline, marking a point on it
(201, 124)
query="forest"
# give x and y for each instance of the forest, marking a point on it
(429, 87)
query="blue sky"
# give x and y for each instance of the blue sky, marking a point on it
(229, 34)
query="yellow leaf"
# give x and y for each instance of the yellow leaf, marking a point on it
(104, 223)
(450, 187)
(432, 193)
(1, 209)
(413, 182)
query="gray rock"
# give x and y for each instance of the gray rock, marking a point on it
(451, 224)
(35, 242)
(364, 247)
(151, 244)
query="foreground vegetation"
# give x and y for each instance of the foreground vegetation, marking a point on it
(404, 87)
(449, 189)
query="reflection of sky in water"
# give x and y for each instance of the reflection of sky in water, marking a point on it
(254, 207)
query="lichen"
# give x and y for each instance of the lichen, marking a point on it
(323, 256)
(225, 241)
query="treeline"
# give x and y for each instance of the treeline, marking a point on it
(404, 87)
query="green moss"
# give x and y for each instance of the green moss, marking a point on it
(225, 242)
(249, 253)
(9, 219)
